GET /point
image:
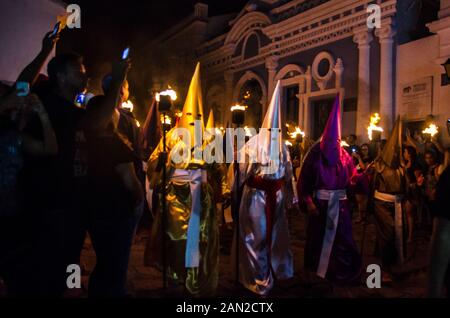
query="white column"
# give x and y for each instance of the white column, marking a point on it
(301, 106)
(308, 118)
(386, 36)
(271, 66)
(338, 70)
(363, 38)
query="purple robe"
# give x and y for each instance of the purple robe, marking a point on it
(345, 263)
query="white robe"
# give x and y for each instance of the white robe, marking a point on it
(254, 268)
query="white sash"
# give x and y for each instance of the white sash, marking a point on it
(333, 197)
(398, 220)
(195, 178)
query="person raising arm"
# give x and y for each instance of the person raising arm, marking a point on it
(31, 72)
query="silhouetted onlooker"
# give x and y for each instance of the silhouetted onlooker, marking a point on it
(16, 245)
(115, 197)
(439, 270)
(55, 183)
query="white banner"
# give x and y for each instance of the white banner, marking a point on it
(416, 99)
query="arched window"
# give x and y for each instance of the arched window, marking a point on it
(251, 47)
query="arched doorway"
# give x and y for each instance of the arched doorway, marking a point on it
(251, 95)
(257, 99)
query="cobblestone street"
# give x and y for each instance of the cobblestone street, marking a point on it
(410, 281)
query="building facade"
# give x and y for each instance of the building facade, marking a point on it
(319, 48)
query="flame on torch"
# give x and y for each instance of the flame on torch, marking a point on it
(297, 132)
(169, 92)
(374, 121)
(128, 105)
(238, 107)
(431, 130)
(166, 120)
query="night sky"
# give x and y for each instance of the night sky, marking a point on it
(107, 27)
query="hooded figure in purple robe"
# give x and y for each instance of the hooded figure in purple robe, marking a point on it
(326, 174)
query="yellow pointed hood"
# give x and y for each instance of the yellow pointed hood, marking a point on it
(210, 129)
(193, 107)
(211, 124)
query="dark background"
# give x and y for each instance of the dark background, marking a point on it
(107, 27)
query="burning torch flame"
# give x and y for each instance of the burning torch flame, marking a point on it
(238, 107)
(431, 130)
(297, 132)
(169, 92)
(374, 121)
(166, 120)
(128, 105)
(288, 143)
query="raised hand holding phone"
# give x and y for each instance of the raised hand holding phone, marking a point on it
(50, 39)
(56, 29)
(120, 71)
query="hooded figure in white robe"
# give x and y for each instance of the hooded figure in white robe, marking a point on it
(266, 187)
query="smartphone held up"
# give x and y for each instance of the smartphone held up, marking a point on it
(125, 53)
(56, 29)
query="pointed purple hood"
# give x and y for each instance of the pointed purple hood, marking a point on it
(330, 143)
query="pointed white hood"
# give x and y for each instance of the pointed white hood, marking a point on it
(270, 136)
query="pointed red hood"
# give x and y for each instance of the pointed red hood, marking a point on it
(330, 143)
